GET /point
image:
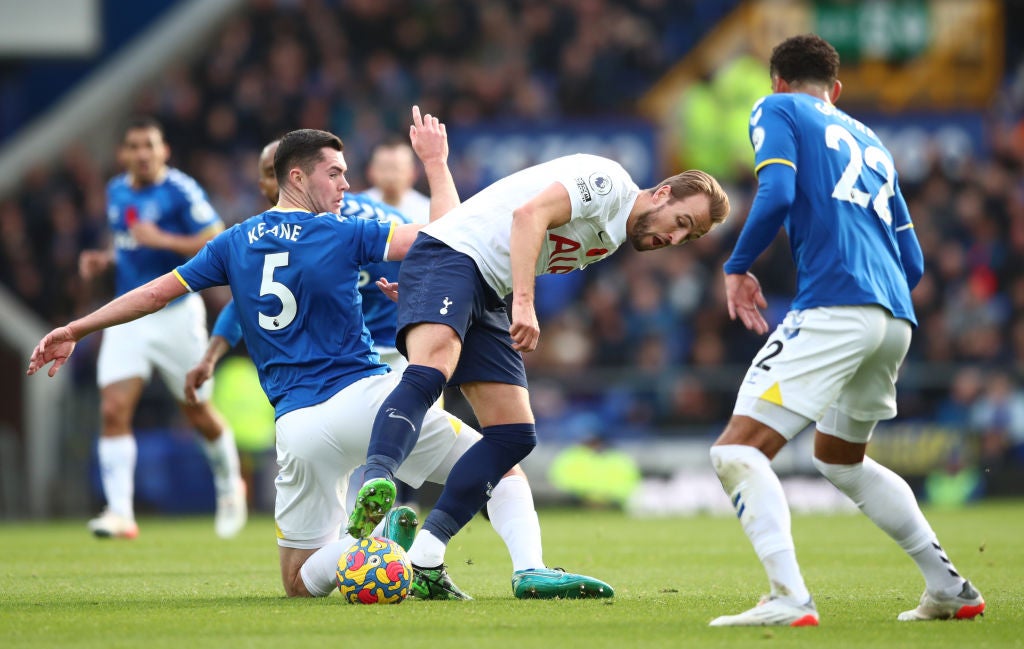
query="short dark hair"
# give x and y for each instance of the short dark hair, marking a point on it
(138, 122)
(805, 58)
(301, 149)
(694, 182)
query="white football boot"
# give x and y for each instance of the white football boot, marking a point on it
(109, 525)
(965, 606)
(773, 611)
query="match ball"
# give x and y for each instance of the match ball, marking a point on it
(374, 571)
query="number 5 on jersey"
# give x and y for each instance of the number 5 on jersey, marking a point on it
(272, 262)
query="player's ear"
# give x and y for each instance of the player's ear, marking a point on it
(837, 89)
(295, 174)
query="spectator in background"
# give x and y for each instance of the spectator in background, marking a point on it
(326, 57)
(998, 417)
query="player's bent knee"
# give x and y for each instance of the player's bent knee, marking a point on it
(517, 470)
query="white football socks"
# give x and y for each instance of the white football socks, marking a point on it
(756, 493)
(514, 518)
(888, 501)
(427, 550)
(222, 454)
(117, 458)
(319, 572)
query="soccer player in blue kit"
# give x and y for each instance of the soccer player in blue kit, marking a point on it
(159, 217)
(835, 357)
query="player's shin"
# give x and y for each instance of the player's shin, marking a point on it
(473, 477)
(756, 493)
(397, 425)
(888, 501)
(514, 518)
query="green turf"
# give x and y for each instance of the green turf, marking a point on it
(179, 586)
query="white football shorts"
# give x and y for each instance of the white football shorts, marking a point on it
(318, 448)
(833, 365)
(172, 340)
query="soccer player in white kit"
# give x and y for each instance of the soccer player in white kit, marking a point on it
(555, 217)
(834, 359)
(159, 217)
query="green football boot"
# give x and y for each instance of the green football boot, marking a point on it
(551, 583)
(400, 526)
(374, 500)
(434, 583)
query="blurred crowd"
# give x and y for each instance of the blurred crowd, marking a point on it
(636, 345)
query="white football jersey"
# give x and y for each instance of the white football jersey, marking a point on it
(602, 195)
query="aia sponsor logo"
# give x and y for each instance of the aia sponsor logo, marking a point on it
(566, 255)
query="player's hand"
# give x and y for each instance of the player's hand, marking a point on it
(525, 329)
(55, 346)
(745, 300)
(429, 137)
(388, 288)
(195, 379)
(146, 233)
(93, 262)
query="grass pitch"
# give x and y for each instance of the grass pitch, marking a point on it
(179, 586)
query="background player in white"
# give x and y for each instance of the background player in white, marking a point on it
(551, 218)
(159, 217)
(511, 507)
(834, 359)
(392, 176)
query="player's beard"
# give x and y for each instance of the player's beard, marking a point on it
(641, 231)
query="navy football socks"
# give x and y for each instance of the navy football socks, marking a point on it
(397, 425)
(471, 479)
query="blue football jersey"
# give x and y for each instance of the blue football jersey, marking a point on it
(177, 204)
(293, 277)
(379, 310)
(843, 223)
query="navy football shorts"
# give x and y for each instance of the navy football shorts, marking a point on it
(439, 284)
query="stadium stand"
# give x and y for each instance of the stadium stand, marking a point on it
(644, 343)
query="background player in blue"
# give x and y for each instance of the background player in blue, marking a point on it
(511, 507)
(834, 359)
(159, 217)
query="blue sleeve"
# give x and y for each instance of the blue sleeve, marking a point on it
(207, 268)
(776, 190)
(911, 255)
(228, 326)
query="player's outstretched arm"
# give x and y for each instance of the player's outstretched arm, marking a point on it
(429, 139)
(55, 347)
(58, 345)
